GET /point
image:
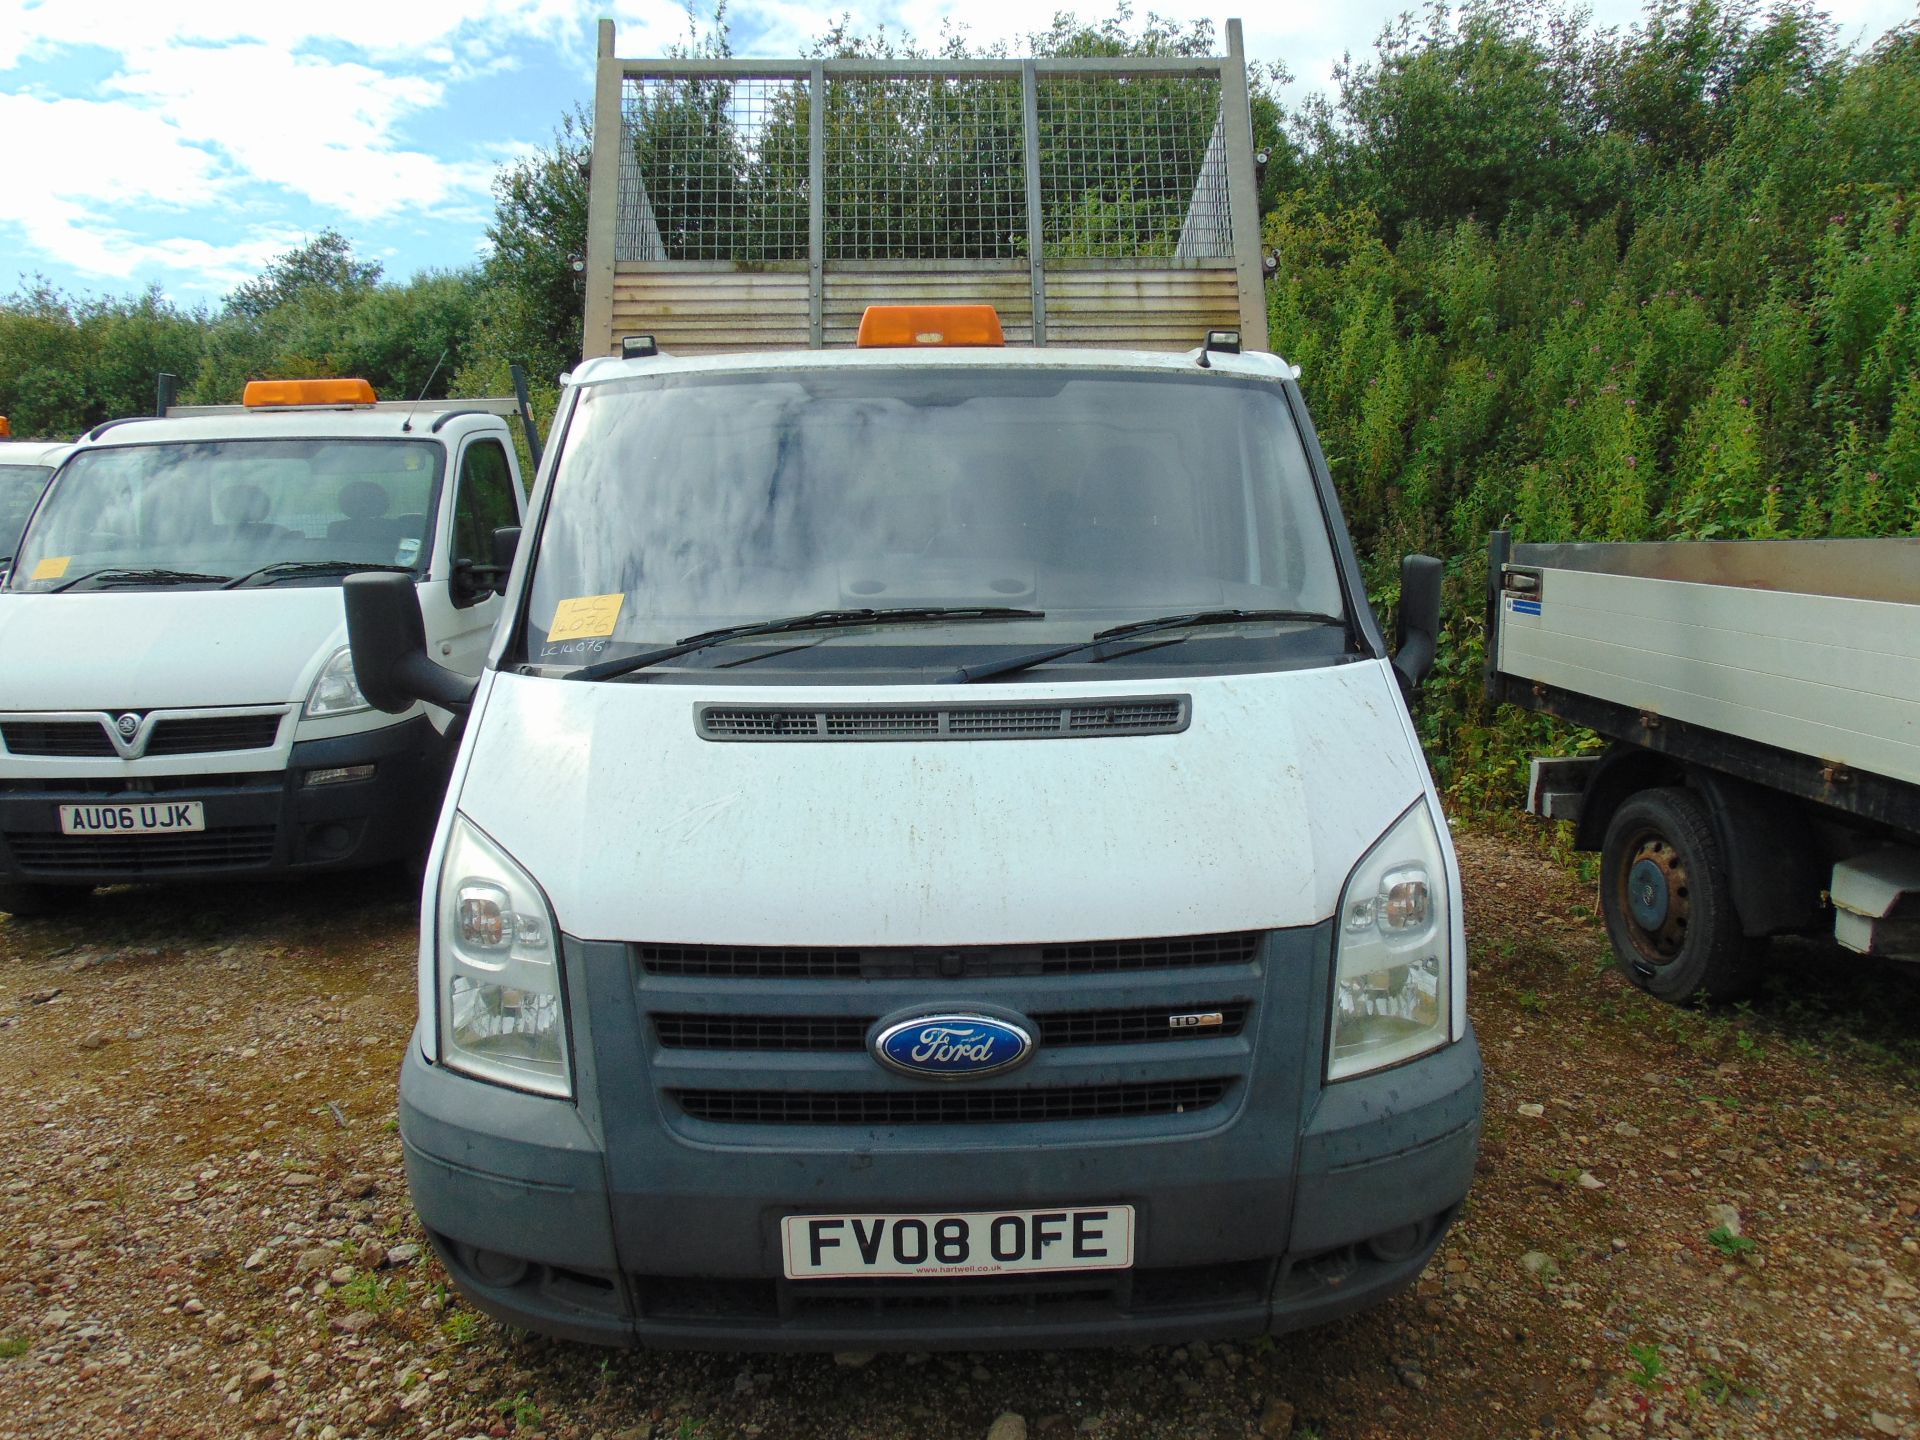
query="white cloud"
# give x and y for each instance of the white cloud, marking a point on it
(223, 104)
(317, 128)
(84, 152)
(377, 28)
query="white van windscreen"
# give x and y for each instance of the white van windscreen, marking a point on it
(685, 504)
(251, 512)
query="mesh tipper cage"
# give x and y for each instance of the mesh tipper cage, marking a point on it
(1090, 200)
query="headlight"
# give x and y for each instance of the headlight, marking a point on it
(336, 692)
(502, 1015)
(1392, 962)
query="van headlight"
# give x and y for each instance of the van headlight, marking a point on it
(503, 1016)
(1392, 960)
(336, 691)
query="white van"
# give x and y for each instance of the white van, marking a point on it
(939, 857)
(25, 468)
(176, 696)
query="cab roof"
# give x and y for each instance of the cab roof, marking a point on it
(34, 452)
(434, 421)
(1257, 365)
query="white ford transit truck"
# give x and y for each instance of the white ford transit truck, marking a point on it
(938, 855)
(176, 697)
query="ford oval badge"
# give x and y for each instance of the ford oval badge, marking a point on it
(959, 1046)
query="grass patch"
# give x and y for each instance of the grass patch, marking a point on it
(1729, 1244)
(373, 1292)
(1647, 1367)
(12, 1347)
(521, 1411)
(1720, 1387)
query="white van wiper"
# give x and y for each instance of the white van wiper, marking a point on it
(968, 674)
(816, 620)
(116, 574)
(286, 569)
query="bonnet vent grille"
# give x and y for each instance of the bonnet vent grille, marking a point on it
(1076, 719)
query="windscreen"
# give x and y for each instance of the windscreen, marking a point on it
(217, 511)
(682, 504)
(20, 486)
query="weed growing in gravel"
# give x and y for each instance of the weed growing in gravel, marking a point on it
(462, 1327)
(1531, 1002)
(12, 1347)
(690, 1428)
(1648, 1365)
(1729, 1244)
(373, 1292)
(524, 1414)
(1721, 1387)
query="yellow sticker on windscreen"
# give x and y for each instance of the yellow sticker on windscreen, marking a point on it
(585, 617)
(51, 568)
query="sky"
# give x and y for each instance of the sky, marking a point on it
(145, 142)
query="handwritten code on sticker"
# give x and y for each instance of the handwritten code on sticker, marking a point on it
(585, 617)
(52, 568)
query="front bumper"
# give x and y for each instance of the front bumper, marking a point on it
(259, 823)
(514, 1191)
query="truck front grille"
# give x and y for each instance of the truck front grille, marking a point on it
(1096, 957)
(204, 736)
(240, 847)
(846, 1034)
(1079, 720)
(949, 1107)
(177, 735)
(927, 1300)
(61, 738)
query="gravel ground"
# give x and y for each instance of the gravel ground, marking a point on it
(1685, 1224)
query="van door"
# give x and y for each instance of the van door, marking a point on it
(459, 611)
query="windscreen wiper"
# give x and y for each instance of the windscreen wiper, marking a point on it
(287, 568)
(154, 576)
(968, 674)
(815, 620)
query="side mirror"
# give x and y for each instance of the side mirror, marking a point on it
(506, 541)
(389, 644)
(473, 582)
(1419, 627)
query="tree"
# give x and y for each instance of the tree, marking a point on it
(326, 264)
(320, 311)
(67, 364)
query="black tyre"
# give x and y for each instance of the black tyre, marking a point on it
(27, 901)
(1668, 903)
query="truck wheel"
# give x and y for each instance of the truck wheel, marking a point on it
(29, 902)
(1668, 905)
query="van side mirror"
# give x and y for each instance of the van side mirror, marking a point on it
(473, 582)
(1419, 628)
(389, 644)
(506, 540)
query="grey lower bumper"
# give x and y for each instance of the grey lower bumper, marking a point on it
(514, 1192)
(258, 824)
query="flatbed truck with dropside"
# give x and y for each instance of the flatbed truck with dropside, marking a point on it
(1761, 700)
